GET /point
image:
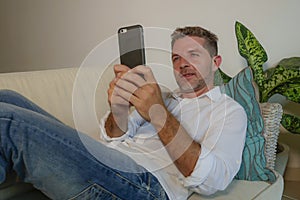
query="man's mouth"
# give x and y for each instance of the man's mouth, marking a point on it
(188, 75)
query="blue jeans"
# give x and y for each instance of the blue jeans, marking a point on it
(51, 156)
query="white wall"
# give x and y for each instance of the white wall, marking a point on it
(41, 34)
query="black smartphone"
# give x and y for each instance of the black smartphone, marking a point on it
(131, 46)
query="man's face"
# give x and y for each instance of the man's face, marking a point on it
(193, 66)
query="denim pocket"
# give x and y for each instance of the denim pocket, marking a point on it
(95, 192)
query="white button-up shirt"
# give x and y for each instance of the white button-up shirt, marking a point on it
(214, 120)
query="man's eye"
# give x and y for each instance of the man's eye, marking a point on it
(175, 58)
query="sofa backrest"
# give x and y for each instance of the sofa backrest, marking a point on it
(50, 89)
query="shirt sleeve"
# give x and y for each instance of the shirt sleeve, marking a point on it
(134, 122)
(103, 134)
(221, 153)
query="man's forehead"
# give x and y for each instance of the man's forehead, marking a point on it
(188, 43)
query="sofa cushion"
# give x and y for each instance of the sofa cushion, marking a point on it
(242, 189)
(253, 167)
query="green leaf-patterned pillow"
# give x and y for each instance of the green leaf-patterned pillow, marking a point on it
(253, 165)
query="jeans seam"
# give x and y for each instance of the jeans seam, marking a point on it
(149, 183)
(138, 186)
(89, 187)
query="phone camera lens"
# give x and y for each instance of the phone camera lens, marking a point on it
(124, 30)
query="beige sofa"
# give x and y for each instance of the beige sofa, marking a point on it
(68, 94)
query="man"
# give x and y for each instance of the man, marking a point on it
(169, 146)
(198, 135)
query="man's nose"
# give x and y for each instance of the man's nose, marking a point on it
(184, 63)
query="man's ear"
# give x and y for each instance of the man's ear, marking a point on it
(217, 61)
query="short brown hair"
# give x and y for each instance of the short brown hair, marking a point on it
(211, 39)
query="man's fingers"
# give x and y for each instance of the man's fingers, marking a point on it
(119, 69)
(146, 72)
(126, 95)
(132, 78)
(126, 85)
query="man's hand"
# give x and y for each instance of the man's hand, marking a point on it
(116, 123)
(134, 87)
(113, 98)
(139, 87)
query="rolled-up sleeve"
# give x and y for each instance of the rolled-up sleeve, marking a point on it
(134, 122)
(196, 181)
(219, 161)
(103, 134)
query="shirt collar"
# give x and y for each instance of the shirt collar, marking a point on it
(213, 94)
